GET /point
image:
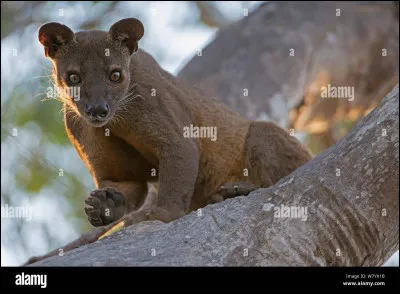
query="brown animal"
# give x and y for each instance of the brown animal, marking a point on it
(134, 124)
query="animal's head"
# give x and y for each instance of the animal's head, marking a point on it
(91, 68)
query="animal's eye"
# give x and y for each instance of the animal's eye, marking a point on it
(74, 78)
(115, 76)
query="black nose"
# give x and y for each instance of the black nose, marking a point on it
(97, 110)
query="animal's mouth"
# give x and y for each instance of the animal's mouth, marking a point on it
(97, 123)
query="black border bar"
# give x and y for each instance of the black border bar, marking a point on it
(204, 279)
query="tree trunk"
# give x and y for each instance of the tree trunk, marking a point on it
(273, 63)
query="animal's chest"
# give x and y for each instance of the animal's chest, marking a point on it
(111, 157)
(141, 146)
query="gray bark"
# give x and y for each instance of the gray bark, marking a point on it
(341, 50)
(352, 217)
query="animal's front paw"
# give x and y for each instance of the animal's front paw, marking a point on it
(104, 206)
(231, 190)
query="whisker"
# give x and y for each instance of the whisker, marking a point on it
(126, 100)
(129, 93)
(125, 97)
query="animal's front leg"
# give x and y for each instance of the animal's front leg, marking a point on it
(178, 168)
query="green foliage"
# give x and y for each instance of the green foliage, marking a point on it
(33, 176)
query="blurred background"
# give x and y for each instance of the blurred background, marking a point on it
(279, 53)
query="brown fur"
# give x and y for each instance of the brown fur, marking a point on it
(147, 132)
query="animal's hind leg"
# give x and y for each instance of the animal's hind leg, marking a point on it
(231, 190)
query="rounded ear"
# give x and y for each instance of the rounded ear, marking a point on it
(53, 35)
(127, 32)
